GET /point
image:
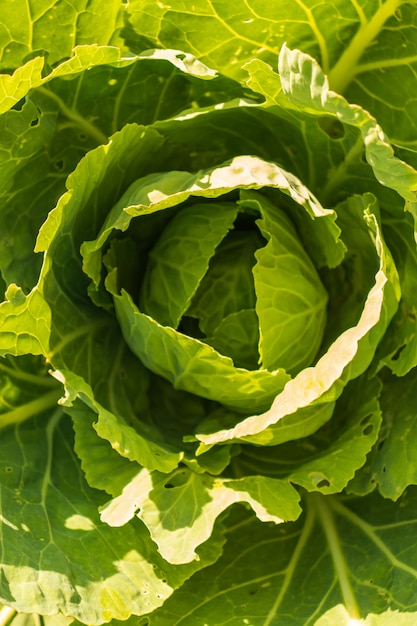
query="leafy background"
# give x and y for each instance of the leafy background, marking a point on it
(61, 102)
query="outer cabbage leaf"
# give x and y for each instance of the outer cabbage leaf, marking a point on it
(352, 41)
(26, 390)
(390, 466)
(328, 459)
(348, 551)
(53, 29)
(305, 84)
(53, 542)
(60, 120)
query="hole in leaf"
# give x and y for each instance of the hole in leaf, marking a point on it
(397, 354)
(332, 127)
(319, 480)
(19, 105)
(35, 121)
(176, 480)
(8, 469)
(59, 165)
(368, 428)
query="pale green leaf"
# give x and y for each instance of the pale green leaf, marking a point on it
(180, 509)
(193, 366)
(290, 298)
(228, 286)
(180, 258)
(237, 335)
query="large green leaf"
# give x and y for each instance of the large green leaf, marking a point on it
(53, 28)
(305, 84)
(390, 466)
(227, 36)
(340, 35)
(355, 552)
(53, 543)
(60, 120)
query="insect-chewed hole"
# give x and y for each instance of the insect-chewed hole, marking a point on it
(176, 480)
(367, 428)
(319, 480)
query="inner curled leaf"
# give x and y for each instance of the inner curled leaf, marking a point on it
(235, 276)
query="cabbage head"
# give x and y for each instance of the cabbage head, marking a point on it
(208, 320)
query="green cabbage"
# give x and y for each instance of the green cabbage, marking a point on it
(209, 316)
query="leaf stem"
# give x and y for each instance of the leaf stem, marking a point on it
(324, 512)
(290, 569)
(89, 128)
(25, 411)
(339, 175)
(33, 379)
(346, 68)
